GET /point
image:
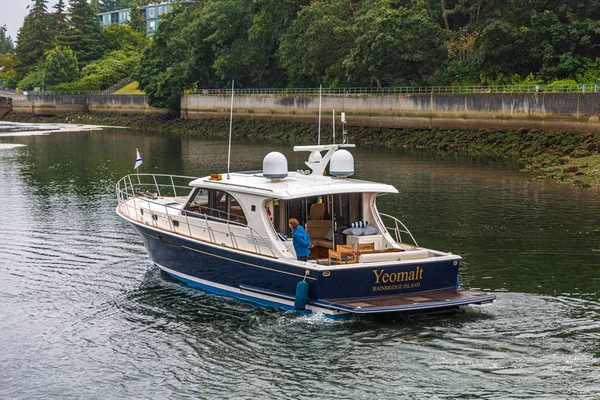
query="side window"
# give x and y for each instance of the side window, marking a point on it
(236, 213)
(217, 204)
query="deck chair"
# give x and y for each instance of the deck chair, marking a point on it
(343, 255)
(317, 211)
(365, 246)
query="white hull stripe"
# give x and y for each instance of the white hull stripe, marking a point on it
(247, 293)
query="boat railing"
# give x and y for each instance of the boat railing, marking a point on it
(150, 188)
(399, 228)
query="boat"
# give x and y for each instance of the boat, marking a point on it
(228, 234)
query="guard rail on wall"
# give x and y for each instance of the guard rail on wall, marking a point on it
(579, 88)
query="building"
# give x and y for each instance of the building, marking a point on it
(151, 14)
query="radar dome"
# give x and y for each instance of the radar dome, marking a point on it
(341, 164)
(275, 166)
(315, 156)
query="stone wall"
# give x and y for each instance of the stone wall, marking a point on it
(50, 105)
(576, 112)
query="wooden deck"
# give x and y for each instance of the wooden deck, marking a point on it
(434, 299)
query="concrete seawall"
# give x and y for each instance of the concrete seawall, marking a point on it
(5, 106)
(49, 105)
(574, 112)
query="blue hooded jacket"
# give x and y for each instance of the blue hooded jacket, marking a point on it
(301, 241)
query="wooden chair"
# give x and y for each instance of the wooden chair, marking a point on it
(365, 246)
(344, 254)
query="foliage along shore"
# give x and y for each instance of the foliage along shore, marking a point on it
(570, 158)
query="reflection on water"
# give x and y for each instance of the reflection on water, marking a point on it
(85, 311)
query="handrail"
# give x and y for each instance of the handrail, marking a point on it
(397, 230)
(126, 184)
(574, 88)
(550, 88)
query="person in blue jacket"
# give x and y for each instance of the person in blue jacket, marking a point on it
(300, 239)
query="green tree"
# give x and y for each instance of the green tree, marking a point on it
(395, 45)
(8, 75)
(59, 19)
(136, 17)
(178, 58)
(106, 5)
(61, 66)
(270, 21)
(34, 38)
(34, 79)
(84, 35)
(6, 43)
(123, 37)
(312, 51)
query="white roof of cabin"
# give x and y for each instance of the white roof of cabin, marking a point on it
(294, 186)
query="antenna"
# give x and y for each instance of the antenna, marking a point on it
(334, 126)
(343, 119)
(230, 127)
(320, 102)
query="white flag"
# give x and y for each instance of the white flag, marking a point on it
(138, 159)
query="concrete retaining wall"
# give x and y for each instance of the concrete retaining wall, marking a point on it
(5, 106)
(576, 112)
(63, 104)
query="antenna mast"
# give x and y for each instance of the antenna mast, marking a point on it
(320, 102)
(334, 126)
(230, 127)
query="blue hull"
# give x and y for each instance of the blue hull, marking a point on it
(271, 282)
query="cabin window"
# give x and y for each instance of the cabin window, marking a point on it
(151, 12)
(215, 205)
(345, 208)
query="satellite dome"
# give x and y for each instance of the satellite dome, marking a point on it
(315, 156)
(341, 164)
(275, 166)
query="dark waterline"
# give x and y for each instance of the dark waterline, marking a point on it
(86, 315)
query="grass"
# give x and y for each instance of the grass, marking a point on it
(132, 88)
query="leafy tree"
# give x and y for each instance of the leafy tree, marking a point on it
(270, 21)
(6, 43)
(34, 38)
(61, 66)
(395, 46)
(104, 73)
(84, 35)
(312, 51)
(34, 79)
(123, 37)
(8, 75)
(178, 57)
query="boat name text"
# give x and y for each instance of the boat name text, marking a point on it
(382, 277)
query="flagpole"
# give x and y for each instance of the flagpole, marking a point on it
(230, 128)
(137, 166)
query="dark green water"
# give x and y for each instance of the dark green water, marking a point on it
(85, 314)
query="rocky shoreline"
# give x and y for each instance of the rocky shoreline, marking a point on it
(570, 158)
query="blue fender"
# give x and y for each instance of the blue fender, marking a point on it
(301, 295)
